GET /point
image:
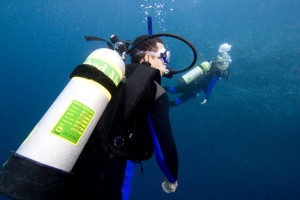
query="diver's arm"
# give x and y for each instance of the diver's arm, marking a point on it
(163, 141)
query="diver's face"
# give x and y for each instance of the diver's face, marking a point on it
(155, 61)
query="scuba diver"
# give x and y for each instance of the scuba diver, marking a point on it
(75, 152)
(202, 78)
(101, 125)
(133, 126)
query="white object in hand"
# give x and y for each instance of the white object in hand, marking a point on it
(169, 187)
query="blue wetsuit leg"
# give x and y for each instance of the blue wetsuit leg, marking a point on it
(210, 86)
(126, 187)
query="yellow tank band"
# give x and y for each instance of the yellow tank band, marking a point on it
(108, 61)
(205, 65)
(96, 84)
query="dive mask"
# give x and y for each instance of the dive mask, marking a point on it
(163, 54)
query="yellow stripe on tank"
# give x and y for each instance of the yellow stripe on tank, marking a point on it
(108, 61)
(200, 69)
(204, 64)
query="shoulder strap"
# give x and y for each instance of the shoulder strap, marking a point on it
(136, 84)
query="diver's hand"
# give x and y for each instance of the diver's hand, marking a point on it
(204, 101)
(169, 187)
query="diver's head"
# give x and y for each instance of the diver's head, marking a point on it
(151, 51)
(147, 45)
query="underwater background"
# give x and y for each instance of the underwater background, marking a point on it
(242, 144)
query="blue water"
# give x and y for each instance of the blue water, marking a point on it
(242, 144)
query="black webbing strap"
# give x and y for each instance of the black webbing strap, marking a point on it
(91, 72)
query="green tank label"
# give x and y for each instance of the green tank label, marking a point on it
(106, 68)
(73, 122)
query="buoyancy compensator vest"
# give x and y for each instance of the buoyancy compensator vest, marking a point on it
(123, 129)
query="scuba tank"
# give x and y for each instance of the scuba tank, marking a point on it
(68, 123)
(42, 164)
(194, 73)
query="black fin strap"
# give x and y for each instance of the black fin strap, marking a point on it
(91, 72)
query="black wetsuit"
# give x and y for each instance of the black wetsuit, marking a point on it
(123, 137)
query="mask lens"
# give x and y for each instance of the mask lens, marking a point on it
(165, 55)
(168, 56)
